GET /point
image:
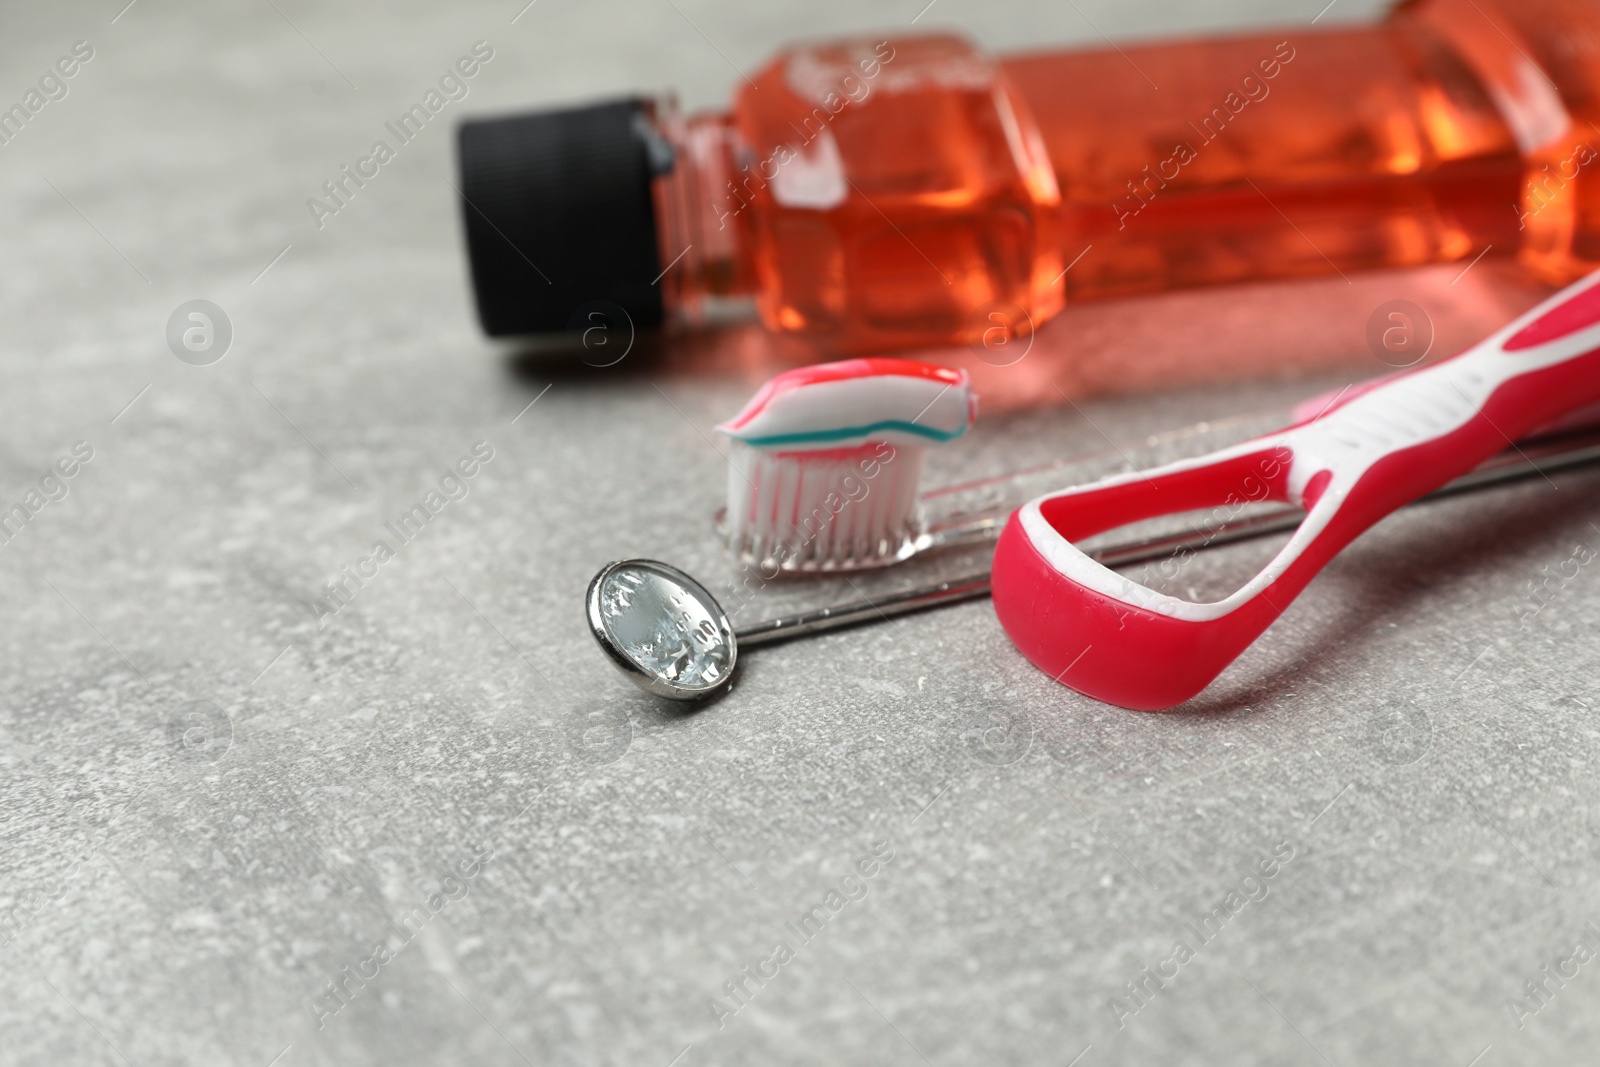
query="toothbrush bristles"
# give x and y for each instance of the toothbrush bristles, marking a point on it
(831, 509)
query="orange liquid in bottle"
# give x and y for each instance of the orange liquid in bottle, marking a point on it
(912, 192)
(901, 188)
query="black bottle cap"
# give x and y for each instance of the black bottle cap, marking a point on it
(558, 215)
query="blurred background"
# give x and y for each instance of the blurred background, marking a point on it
(226, 791)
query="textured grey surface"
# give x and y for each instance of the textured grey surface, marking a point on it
(181, 881)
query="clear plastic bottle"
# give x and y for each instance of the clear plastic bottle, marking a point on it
(882, 194)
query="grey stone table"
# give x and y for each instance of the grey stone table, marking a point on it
(433, 827)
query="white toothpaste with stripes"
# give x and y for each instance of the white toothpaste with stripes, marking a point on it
(826, 461)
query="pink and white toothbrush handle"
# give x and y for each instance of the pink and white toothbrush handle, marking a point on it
(1129, 645)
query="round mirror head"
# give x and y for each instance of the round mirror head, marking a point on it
(662, 629)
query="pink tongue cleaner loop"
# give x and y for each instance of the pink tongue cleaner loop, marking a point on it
(1382, 444)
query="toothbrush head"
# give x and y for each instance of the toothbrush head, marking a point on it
(826, 462)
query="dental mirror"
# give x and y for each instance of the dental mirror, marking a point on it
(662, 630)
(670, 637)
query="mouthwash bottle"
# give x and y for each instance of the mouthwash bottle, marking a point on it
(882, 193)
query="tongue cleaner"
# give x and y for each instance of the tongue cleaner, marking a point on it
(1109, 638)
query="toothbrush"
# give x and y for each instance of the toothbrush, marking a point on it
(826, 460)
(1126, 644)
